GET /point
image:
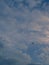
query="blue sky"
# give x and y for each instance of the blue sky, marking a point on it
(21, 23)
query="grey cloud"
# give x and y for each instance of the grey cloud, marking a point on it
(14, 30)
(24, 4)
(44, 56)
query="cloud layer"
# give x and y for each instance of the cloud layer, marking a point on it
(21, 23)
